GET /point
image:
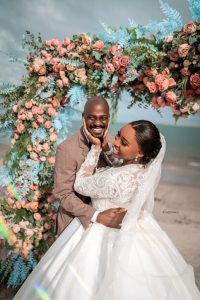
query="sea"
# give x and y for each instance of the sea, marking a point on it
(182, 160)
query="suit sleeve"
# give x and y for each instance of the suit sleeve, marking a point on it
(64, 177)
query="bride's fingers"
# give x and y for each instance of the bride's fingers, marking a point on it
(85, 128)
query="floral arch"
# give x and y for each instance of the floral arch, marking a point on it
(158, 64)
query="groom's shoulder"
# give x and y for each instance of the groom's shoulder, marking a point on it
(70, 141)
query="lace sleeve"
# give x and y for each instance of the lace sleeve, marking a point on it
(111, 182)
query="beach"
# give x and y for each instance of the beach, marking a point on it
(177, 210)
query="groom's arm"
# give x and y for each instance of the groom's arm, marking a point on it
(65, 172)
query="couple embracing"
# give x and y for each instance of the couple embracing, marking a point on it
(111, 248)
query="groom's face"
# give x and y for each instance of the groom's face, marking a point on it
(97, 118)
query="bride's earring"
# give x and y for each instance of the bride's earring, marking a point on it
(136, 159)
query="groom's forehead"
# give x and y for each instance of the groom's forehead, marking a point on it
(97, 109)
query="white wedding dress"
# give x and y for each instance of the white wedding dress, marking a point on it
(137, 262)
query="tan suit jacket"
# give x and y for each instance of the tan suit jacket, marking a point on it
(70, 154)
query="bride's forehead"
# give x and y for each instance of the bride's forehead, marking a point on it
(128, 132)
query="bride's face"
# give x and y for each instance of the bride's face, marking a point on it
(125, 146)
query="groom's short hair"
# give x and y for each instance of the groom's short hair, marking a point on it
(96, 100)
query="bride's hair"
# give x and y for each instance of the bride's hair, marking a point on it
(148, 139)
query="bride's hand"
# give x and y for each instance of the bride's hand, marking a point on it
(104, 144)
(95, 141)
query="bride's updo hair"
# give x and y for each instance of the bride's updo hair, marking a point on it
(148, 139)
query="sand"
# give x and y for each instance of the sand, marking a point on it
(177, 209)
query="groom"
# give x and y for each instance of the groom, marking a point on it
(70, 155)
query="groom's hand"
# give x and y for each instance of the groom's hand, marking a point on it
(112, 217)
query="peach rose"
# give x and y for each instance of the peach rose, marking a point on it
(165, 72)
(86, 40)
(189, 27)
(53, 137)
(52, 111)
(42, 158)
(45, 147)
(42, 79)
(38, 63)
(46, 55)
(12, 240)
(20, 128)
(173, 55)
(97, 65)
(18, 205)
(195, 106)
(161, 102)
(159, 79)
(48, 124)
(171, 97)
(116, 62)
(124, 60)
(163, 85)
(34, 110)
(154, 102)
(183, 50)
(116, 49)
(34, 205)
(152, 86)
(33, 155)
(171, 82)
(37, 217)
(42, 71)
(61, 51)
(29, 115)
(51, 160)
(110, 68)
(79, 72)
(16, 228)
(195, 80)
(98, 45)
(28, 104)
(186, 63)
(55, 102)
(171, 65)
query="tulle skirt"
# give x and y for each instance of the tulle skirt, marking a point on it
(98, 265)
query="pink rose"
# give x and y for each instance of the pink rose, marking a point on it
(189, 27)
(38, 63)
(51, 160)
(16, 228)
(40, 120)
(55, 42)
(173, 55)
(46, 55)
(97, 65)
(35, 125)
(185, 72)
(29, 232)
(34, 110)
(110, 68)
(116, 49)
(42, 158)
(37, 217)
(40, 110)
(152, 86)
(183, 50)
(70, 47)
(161, 102)
(159, 79)
(65, 81)
(171, 65)
(186, 63)
(168, 39)
(124, 60)
(171, 97)
(165, 72)
(163, 85)
(195, 80)
(52, 111)
(48, 124)
(154, 102)
(70, 68)
(55, 102)
(42, 79)
(28, 104)
(59, 83)
(66, 41)
(56, 68)
(34, 205)
(150, 72)
(61, 51)
(98, 45)
(20, 128)
(33, 155)
(42, 71)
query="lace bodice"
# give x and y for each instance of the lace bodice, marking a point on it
(108, 187)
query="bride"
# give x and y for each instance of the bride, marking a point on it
(136, 262)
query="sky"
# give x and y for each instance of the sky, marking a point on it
(63, 18)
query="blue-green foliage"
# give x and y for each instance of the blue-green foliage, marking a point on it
(164, 28)
(76, 94)
(47, 89)
(194, 6)
(20, 269)
(38, 135)
(117, 37)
